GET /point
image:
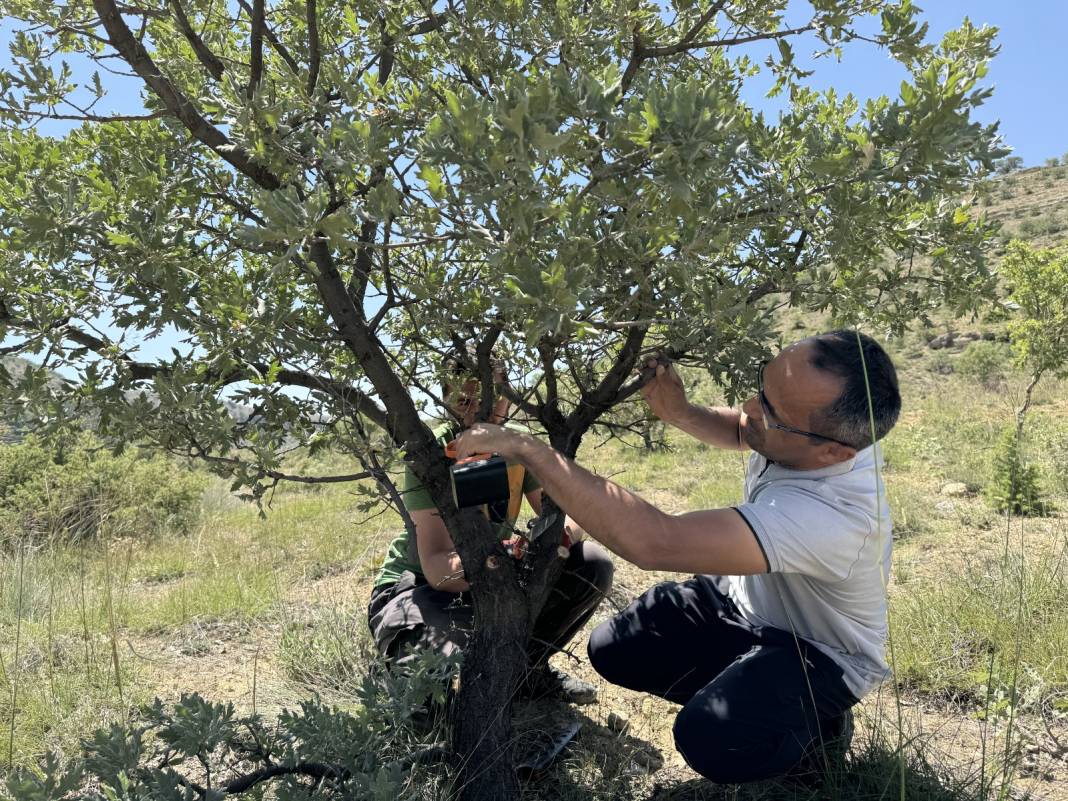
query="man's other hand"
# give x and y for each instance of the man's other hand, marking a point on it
(665, 393)
(488, 438)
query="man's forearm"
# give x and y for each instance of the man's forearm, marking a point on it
(444, 571)
(719, 426)
(612, 515)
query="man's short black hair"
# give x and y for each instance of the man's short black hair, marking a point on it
(849, 419)
(460, 364)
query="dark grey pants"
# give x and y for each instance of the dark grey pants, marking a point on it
(755, 700)
(411, 613)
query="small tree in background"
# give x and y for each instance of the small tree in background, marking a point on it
(1014, 486)
(1036, 282)
(320, 198)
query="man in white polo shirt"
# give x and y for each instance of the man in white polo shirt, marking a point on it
(782, 628)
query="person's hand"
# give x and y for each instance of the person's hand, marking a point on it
(665, 393)
(488, 438)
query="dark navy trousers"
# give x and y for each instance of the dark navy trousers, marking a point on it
(755, 699)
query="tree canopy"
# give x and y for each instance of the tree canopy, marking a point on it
(582, 181)
(320, 198)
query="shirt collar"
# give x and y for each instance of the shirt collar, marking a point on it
(772, 470)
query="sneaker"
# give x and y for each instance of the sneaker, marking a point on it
(550, 682)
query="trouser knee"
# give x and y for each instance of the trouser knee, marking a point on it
(720, 750)
(599, 650)
(595, 567)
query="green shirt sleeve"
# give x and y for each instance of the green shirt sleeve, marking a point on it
(530, 482)
(415, 496)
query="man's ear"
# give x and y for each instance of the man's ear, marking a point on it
(835, 452)
(500, 408)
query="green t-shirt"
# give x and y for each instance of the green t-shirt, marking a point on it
(402, 553)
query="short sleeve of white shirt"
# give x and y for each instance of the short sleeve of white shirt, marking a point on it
(803, 532)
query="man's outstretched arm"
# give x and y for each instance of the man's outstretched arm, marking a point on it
(666, 397)
(713, 541)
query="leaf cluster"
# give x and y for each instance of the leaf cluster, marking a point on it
(197, 750)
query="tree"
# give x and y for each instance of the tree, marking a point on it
(1009, 164)
(1036, 284)
(322, 197)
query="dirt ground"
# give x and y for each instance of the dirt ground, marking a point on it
(239, 663)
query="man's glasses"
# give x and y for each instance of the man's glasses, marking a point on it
(765, 409)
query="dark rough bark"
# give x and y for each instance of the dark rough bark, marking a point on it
(496, 659)
(482, 724)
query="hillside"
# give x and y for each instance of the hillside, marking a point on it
(1030, 204)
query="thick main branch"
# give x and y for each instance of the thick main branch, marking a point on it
(133, 53)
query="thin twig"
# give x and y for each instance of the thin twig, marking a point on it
(314, 54)
(256, 46)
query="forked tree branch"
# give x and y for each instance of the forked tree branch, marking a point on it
(134, 53)
(275, 475)
(641, 52)
(343, 392)
(402, 418)
(279, 48)
(211, 62)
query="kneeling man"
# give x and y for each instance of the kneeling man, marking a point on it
(783, 626)
(420, 598)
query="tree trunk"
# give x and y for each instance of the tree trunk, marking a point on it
(494, 661)
(1022, 411)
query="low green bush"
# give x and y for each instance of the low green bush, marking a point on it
(987, 362)
(71, 490)
(1058, 454)
(375, 750)
(1014, 485)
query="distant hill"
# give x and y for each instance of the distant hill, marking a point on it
(1030, 204)
(16, 366)
(10, 430)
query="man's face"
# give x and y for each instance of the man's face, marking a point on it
(464, 402)
(794, 392)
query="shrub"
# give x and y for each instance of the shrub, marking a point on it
(374, 751)
(70, 490)
(1059, 458)
(987, 362)
(941, 363)
(1014, 485)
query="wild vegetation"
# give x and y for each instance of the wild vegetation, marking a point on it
(315, 201)
(306, 224)
(267, 613)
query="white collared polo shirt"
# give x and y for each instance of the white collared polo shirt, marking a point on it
(827, 537)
